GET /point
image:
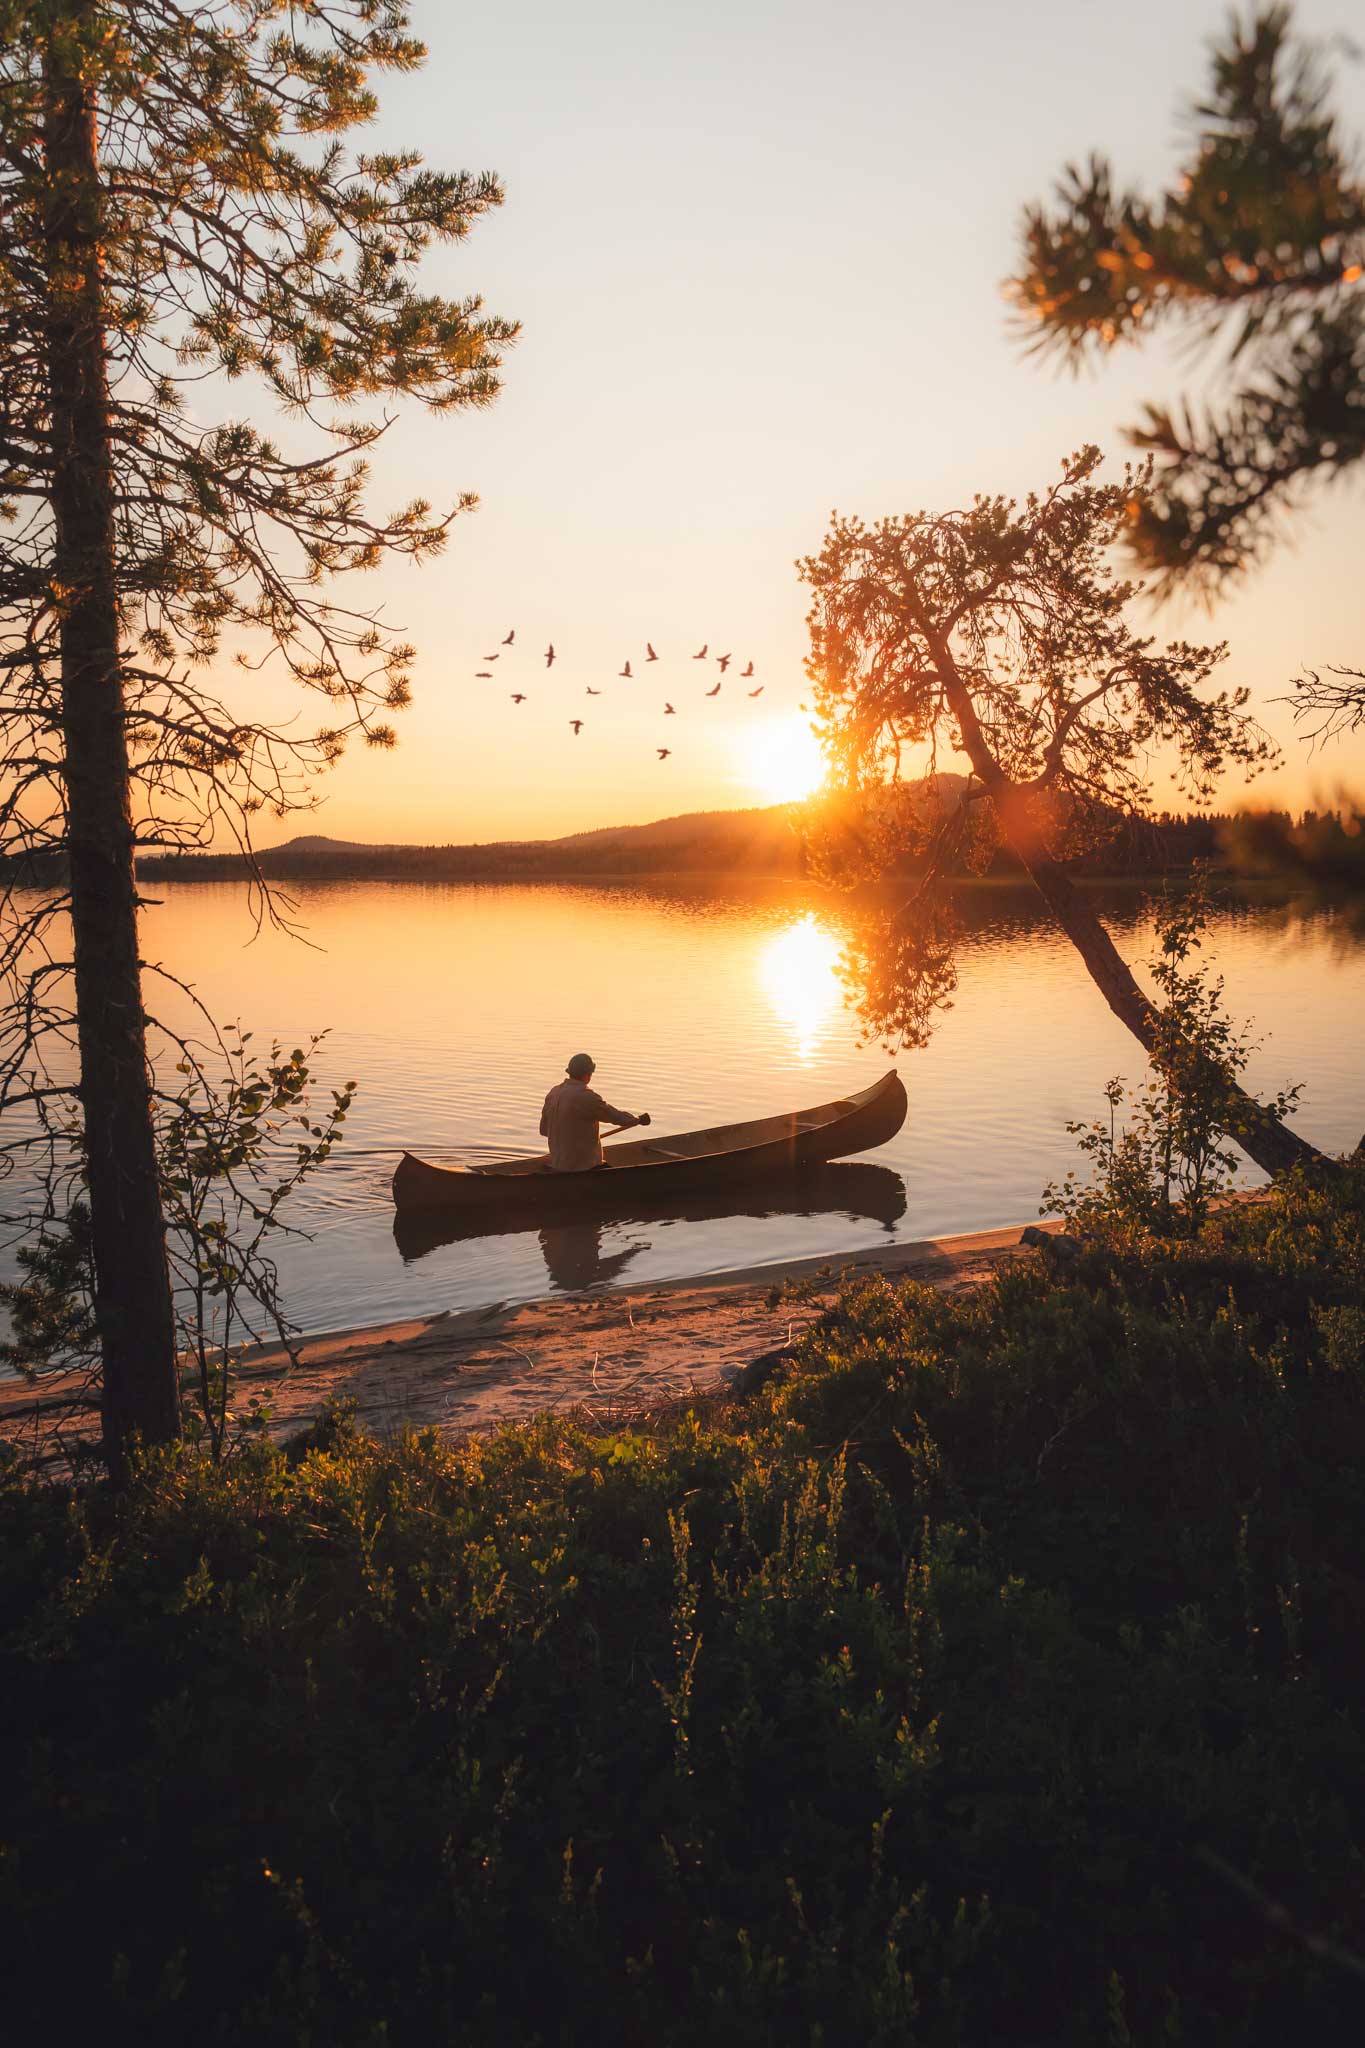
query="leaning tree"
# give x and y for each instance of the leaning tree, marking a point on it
(183, 218)
(1000, 635)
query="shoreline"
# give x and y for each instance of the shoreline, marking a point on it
(604, 1352)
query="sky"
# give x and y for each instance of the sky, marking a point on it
(757, 252)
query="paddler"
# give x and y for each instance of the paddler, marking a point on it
(571, 1116)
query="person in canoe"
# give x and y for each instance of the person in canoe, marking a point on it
(571, 1116)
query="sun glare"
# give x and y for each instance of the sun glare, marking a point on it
(797, 967)
(782, 760)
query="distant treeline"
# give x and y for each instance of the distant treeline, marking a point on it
(1322, 846)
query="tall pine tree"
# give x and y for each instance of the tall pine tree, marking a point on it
(182, 209)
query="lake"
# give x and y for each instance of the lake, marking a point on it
(456, 1006)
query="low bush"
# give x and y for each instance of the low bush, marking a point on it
(992, 1677)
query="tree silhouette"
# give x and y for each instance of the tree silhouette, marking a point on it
(179, 212)
(999, 633)
(1259, 243)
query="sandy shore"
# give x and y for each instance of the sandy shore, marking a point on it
(604, 1352)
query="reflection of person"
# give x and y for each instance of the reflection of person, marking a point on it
(570, 1118)
(574, 1258)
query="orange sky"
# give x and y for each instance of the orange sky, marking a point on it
(758, 261)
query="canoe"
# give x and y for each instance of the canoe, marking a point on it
(844, 1187)
(664, 1166)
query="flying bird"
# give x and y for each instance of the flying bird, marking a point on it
(700, 654)
(747, 671)
(577, 725)
(510, 637)
(663, 752)
(592, 692)
(715, 692)
(483, 675)
(550, 655)
(669, 712)
(490, 657)
(518, 697)
(626, 672)
(724, 660)
(758, 692)
(650, 655)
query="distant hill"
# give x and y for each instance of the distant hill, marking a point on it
(750, 841)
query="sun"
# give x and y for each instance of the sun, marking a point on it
(782, 760)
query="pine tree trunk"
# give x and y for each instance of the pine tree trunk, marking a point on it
(1264, 1139)
(132, 1282)
(1267, 1142)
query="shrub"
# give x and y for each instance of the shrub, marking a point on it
(930, 1696)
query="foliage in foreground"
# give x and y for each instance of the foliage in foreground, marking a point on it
(929, 1696)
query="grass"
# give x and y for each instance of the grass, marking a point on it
(994, 1676)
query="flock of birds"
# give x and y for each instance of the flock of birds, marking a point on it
(625, 674)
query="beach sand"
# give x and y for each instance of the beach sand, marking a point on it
(606, 1353)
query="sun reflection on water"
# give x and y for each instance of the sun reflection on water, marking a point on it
(796, 968)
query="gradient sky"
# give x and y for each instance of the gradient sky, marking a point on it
(757, 252)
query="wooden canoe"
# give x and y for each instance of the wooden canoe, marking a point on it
(663, 1166)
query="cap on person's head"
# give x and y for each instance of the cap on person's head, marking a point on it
(580, 1066)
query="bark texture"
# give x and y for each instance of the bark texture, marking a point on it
(132, 1282)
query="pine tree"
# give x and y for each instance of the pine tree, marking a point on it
(1258, 244)
(1000, 632)
(182, 212)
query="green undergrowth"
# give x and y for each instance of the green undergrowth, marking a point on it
(992, 1677)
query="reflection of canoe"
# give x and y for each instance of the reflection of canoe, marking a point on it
(664, 1167)
(843, 1188)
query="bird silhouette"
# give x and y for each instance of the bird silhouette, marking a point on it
(550, 655)
(510, 637)
(724, 660)
(669, 712)
(758, 692)
(592, 692)
(747, 671)
(715, 692)
(577, 725)
(483, 675)
(490, 657)
(626, 672)
(700, 654)
(650, 655)
(518, 697)
(663, 752)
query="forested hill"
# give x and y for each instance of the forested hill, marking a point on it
(1320, 846)
(758, 842)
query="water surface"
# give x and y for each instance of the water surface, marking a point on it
(456, 1005)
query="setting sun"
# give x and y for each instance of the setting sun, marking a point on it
(782, 760)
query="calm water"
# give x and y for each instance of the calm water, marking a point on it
(456, 1006)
